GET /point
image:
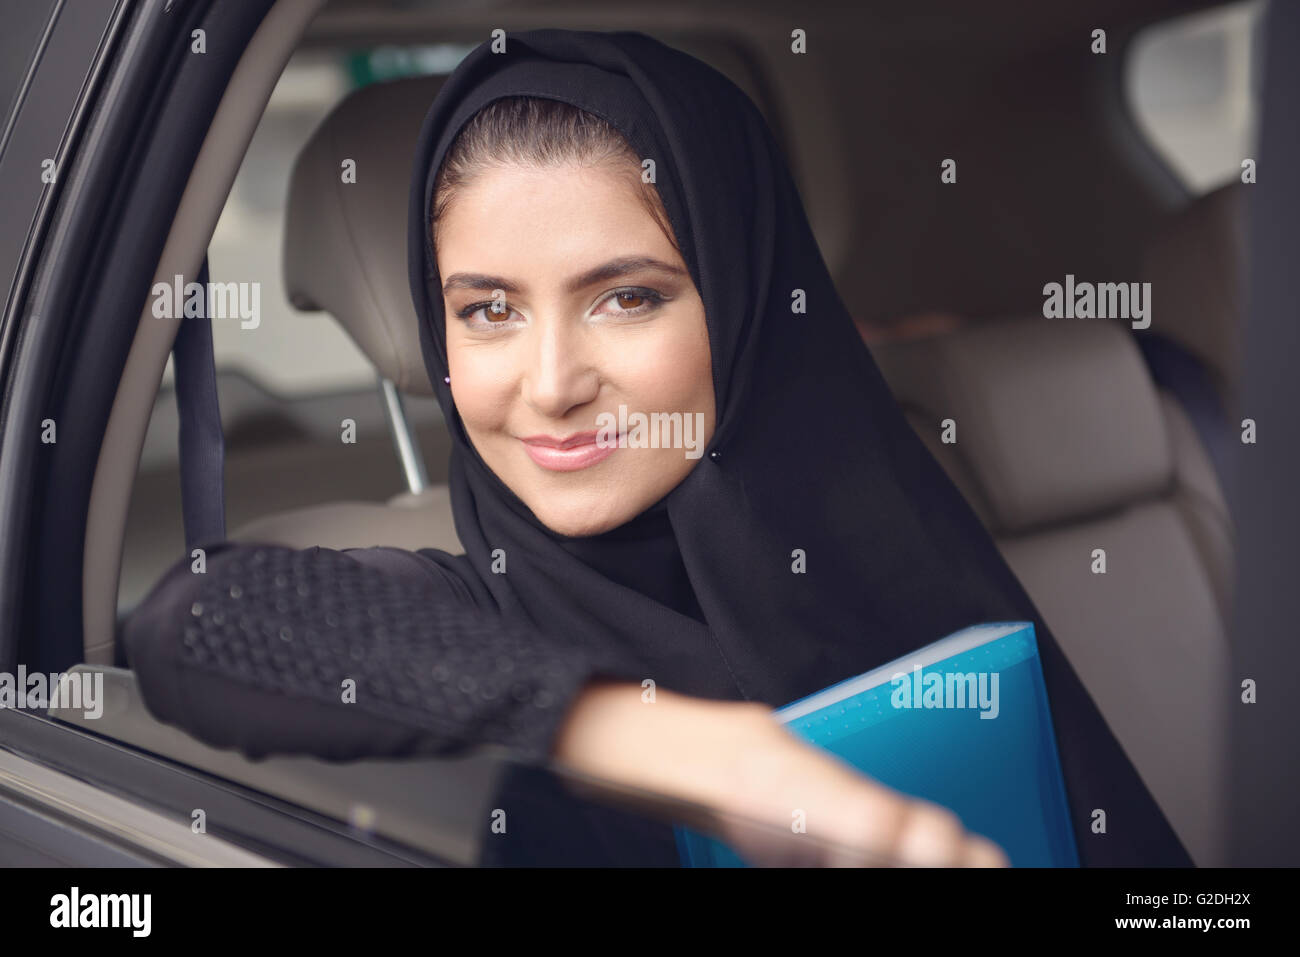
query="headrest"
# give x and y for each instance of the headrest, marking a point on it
(1055, 419)
(345, 242)
(1195, 265)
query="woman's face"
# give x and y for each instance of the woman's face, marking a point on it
(574, 333)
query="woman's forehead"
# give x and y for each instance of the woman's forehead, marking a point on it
(569, 218)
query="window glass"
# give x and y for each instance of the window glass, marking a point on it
(1191, 85)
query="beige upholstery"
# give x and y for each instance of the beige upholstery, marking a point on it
(345, 243)
(345, 253)
(410, 521)
(1195, 266)
(1064, 445)
(1107, 443)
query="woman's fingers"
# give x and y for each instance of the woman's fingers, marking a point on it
(981, 852)
(831, 814)
(931, 836)
(881, 827)
(891, 829)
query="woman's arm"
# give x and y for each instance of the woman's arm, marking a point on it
(736, 759)
(279, 651)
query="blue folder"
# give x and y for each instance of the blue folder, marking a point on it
(963, 722)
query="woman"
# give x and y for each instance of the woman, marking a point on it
(602, 226)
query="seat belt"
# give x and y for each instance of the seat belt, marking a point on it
(202, 444)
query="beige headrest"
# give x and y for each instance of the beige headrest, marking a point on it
(1195, 266)
(1056, 419)
(345, 242)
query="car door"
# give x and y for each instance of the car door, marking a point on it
(93, 159)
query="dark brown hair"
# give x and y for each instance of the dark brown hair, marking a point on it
(540, 133)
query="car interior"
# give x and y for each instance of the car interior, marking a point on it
(1073, 435)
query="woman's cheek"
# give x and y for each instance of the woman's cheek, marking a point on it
(673, 373)
(480, 387)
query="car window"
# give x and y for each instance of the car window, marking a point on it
(1191, 84)
(284, 385)
(24, 27)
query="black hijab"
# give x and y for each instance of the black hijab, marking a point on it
(810, 451)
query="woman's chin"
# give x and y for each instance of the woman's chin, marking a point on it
(581, 519)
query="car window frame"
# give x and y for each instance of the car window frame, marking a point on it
(134, 52)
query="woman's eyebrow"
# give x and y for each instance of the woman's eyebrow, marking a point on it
(603, 273)
(622, 267)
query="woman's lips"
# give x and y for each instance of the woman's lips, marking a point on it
(578, 451)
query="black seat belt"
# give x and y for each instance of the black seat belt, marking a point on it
(202, 445)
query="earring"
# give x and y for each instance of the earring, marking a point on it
(447, 379)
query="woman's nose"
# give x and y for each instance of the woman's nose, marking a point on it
(561, 374)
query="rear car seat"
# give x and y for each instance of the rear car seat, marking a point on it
(1064, 446)
(1075, 435)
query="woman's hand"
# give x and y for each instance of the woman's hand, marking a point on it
(778, 800)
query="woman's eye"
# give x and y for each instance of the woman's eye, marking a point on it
(495, 313)
(622, 303)
(634, 302)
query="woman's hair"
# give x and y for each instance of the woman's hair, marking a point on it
(540, 133)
